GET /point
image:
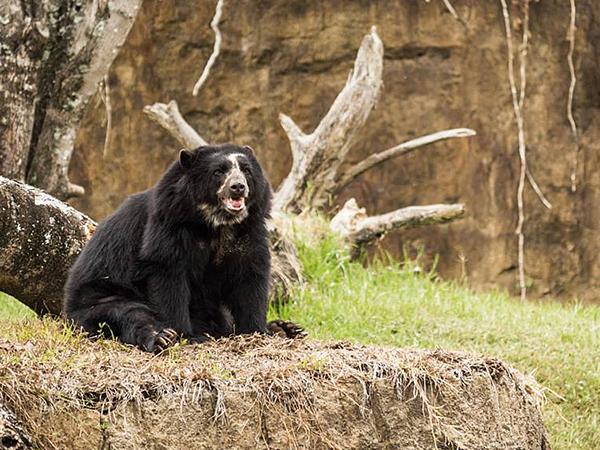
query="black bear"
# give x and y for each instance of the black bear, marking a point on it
(187, 258)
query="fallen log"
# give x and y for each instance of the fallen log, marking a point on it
(257, 392)
(40, 237)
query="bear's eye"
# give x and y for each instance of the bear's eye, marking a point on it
(218, 173)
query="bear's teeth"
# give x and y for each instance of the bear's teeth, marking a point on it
(235, 204)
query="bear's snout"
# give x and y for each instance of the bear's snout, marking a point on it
(237, 190)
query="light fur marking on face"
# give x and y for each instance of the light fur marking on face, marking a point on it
(216, 217)
(234, 172)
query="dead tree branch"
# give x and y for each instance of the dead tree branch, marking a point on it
(452, 11)
(169, 117)
(105, 96)
(398, 150)
(353, 223)
(214, 24)
(40, 237)
(316, 157)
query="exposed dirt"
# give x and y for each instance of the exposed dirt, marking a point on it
(294, 57)
(262, 392)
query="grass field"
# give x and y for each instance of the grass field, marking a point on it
(390, 303)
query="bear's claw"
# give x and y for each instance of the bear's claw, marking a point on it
(286, 329)
(164, 339)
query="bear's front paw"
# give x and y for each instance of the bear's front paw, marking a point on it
(286, 329)
(164, 339)
(199, 339)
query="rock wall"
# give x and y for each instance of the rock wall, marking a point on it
(294, 57)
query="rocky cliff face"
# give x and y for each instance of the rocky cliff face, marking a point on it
(294, 57)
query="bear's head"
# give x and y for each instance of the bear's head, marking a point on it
(225, 183)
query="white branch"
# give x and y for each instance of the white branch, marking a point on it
(401, 149)
(571, 39)
(452, 11)
(105, 96)
(169, 117)
(214, 24)
(353, 224)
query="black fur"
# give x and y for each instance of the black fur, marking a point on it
(171, 258)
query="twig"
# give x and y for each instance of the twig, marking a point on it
(400, 149)
(537, 190)
(214, 24)
(105, 96)
(571, 39)
(452, 11)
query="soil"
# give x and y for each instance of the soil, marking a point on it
(262, 392)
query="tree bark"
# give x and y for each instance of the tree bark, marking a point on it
(23, 36)
(85, 39)
(40, 237)
(53, 54)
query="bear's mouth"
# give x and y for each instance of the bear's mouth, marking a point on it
(235, 205)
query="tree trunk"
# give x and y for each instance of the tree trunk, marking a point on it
(40, 237)
(23, 35)
(54, 53)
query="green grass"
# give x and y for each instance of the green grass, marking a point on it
(389, 303)
(10, 309)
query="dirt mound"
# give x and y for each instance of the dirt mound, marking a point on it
(261, 392)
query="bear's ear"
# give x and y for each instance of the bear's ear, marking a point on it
(250, 149)
(186, 158)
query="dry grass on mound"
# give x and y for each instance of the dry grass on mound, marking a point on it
(261, 392)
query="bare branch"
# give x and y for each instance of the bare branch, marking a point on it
(537, 190)
(169, 117)
(452, 11)
(214, 24)
(105, 96)
(318, 156)
(353, 224)
(401, 149)
(296, 136)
